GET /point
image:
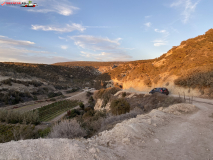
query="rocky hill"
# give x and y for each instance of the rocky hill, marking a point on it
(185, 68)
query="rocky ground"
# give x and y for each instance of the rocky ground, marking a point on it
(182, 131)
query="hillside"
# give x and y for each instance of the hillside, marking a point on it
(21, 82)
(189, 66)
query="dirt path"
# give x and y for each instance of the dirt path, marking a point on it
(187, 137)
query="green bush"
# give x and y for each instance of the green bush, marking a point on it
(16, 132)
(35, 98)
(73, 113)
(52, 94)
(81, 105)
(119, 106)
(124, 94)
(72, 90)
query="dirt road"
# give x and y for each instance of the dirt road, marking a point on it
(186, 137)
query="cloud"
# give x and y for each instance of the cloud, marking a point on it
(8, 41)
(159, 42)
(164, 32)
(160, 31)
(95, 43)
(107, 56)
(100, 26)
(64, 47)
(12, 54)
(60, 9)
(16, 51)
(187, 7)
(63, 38)
(103, 49)
(148, 24)
(68, 28)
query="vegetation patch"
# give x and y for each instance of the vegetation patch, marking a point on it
(119, 106)
(53, 110)
(17, 132)
(53, 94)
(72, 90)
(14, 117)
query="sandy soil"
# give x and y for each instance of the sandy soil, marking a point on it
(161, 134)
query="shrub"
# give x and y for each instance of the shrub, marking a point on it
(124, 94)
(89, 113)
(119, 106)
(43, 133)
(16, 132)
(35, 98)
(52, 99)
(73, 113)
(52, 94)
(89, 94)
(72, 90)
(81, 105)
(67, 129)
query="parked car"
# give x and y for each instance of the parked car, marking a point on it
(160, 90)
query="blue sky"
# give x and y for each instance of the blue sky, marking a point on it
(99, 30)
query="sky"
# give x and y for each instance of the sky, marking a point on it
(99, 30)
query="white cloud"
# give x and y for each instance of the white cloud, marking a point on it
(62, 9)
(104, 49)
(187, 7)
(15, 50)
(148, 24)
(160, 31)
(159, 42)
(64, 47)
(68, 28)
(164, 32)
(8, 41)
(63, 38)
(95, 43)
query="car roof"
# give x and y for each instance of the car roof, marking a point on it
(160, 88)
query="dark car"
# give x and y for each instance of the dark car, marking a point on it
(160, 90)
